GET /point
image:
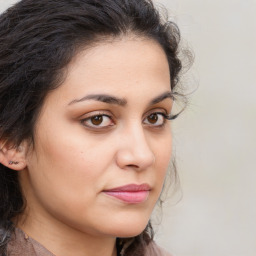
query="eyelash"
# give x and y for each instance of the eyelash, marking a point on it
(163, 115)
(94, 126)
(112, 123)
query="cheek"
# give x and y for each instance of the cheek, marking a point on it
(163, 154)
(70, 163)
(72, 170)
(163, 148)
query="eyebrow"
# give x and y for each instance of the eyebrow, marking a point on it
(162, 97)
(120, 101)
(103, 98)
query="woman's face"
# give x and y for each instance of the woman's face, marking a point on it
(102, 144)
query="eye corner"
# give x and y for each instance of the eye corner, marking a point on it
(157, 119)
(170, 117)
(98, 121)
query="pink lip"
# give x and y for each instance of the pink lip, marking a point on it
(132, 193)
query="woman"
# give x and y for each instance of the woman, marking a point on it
(86, 92)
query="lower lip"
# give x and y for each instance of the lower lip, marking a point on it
(130, 197)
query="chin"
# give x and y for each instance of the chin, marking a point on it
(129, 229)
(130, 233)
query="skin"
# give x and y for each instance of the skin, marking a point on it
(73, 160)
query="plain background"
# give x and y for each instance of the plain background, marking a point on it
(214, 140)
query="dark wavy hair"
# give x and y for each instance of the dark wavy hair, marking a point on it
(38, 39)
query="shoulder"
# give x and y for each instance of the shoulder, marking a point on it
(22, 244)
(154, 250)
(19, 243)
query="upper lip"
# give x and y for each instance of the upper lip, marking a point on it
(130, 188)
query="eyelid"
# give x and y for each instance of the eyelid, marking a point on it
(92, 114)
(106, 113)
(170, 116)
(164, 114)
(95, 113)
(161, 111)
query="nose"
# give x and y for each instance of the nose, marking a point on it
(134, 150)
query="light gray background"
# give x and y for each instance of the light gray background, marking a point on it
(215, 138)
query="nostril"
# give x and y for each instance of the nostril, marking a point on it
(138, 158)
(132, 166)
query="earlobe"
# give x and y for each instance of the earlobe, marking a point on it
(13, 157)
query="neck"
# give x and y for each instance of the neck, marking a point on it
(63, 240)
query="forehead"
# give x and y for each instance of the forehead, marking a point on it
(122, 67)
(127, 51)
(120, 59)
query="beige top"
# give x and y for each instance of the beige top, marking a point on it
(23, 245)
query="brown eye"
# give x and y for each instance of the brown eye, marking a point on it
(96, 120)
(153, 118)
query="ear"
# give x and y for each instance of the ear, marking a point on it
(13, 157)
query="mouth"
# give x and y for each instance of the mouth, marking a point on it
(131, 193)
